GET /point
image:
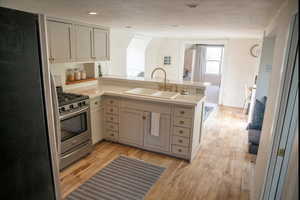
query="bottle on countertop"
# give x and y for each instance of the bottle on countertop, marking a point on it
(99, 70)
(77, 74)
(70, 75)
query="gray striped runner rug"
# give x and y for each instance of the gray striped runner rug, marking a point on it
(124, 178)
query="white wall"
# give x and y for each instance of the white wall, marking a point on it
(239, 71)
(239, 67)
(119, 41)
(278, 27)
(160, 47)
(265, 67)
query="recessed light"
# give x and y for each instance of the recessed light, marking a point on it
(92, 13)
(174, 25)
(128, 26)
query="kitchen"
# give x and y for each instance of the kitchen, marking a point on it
(77, 127)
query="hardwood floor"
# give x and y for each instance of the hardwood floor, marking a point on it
(221, 170)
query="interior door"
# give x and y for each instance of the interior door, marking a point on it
(83, 43)
(100, 43)
(162, 141)
(131, 126)
(26, 167)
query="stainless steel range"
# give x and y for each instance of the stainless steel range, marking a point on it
(74, 138)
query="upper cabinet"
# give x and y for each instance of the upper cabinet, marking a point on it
(83, 43)
(100, 44)
(60, 42)
(76, 42)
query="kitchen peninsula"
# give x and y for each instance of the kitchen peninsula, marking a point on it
(136, 112)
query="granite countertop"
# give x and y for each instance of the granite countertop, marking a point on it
(92, 92)
(143, 79)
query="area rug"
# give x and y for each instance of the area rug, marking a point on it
(123, 178)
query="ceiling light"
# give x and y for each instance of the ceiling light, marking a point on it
(128, 26)
(192, 5)
(174, 25)
(92, 13)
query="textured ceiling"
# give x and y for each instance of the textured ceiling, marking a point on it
(172, 18)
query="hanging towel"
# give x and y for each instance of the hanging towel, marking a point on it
(155, 117)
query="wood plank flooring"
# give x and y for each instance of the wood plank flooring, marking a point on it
(221, 170)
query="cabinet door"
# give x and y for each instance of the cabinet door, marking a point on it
(161, 142)
(83, 43)
(97, 125)
(131, 126)
(60, 40)
(100, 44)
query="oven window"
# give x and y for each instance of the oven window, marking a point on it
(73, 126)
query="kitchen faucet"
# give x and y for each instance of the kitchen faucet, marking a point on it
(165, 74)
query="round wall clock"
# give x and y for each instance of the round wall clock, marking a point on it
(255, 50)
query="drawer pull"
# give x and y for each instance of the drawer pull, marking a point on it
(182, 112)
(180, 141)
(179, 150)
(181, 122)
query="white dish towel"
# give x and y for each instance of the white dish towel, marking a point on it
(155, 118)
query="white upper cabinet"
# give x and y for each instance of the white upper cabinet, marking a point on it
(60, 42)
(100, 44)
(76, 42)
(83, 43)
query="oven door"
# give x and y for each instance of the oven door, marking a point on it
(75, 130)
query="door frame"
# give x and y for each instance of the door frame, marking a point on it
(290, 58)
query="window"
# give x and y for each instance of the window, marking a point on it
(213, 60)
(136, 56)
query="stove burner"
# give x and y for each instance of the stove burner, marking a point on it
(68, 98)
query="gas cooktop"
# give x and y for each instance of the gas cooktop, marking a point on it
(68, 98)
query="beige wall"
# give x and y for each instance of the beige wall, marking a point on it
(278, 27)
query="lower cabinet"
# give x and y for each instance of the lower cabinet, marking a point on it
(97, 124)
(131, 126)
(161, 141)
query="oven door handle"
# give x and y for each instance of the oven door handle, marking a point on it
(63, 117)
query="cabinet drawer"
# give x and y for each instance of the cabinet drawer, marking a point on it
(112, 118)
(111, 126)
(112, 110)
(111, 135)
(111, 102)
(95, 103)
(183, 132)
(182, 141)
(183, 122)
(180, 150)
(183, 112)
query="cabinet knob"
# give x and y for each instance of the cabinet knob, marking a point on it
(180, 141)
(180, 131)
(182, 112)
(144, 117)
(111, 110)
(179, 150)
(112, 134)
(181, 122)
(96, 102)
(111, 102)
(111, 118)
